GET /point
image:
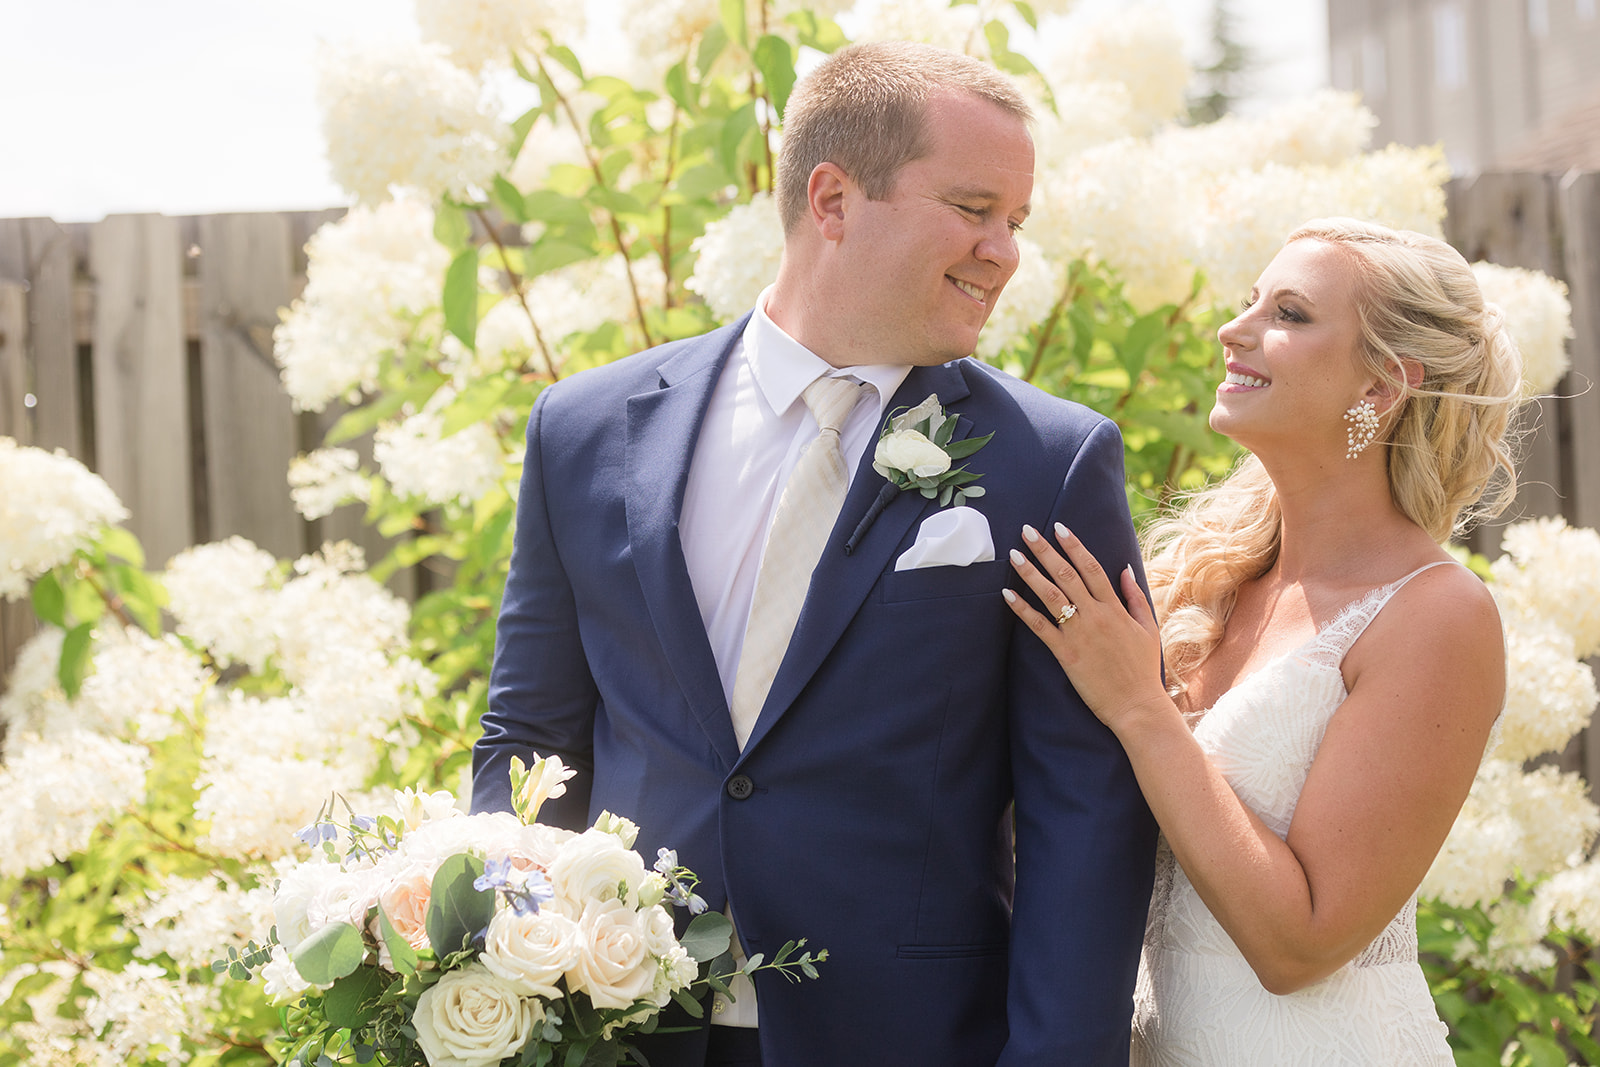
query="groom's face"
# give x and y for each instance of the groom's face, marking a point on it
(925, 266)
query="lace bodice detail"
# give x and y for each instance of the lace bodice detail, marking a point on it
(1263, 735)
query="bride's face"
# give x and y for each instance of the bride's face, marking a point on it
(1292, 355)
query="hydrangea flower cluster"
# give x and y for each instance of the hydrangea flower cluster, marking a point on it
(1538, 317)
(406, 117)
(370, 278)
(51, 506)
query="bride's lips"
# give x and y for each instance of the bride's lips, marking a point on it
(1241, 379)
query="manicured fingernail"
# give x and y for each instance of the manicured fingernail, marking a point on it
(1017, 557)
(1011, 598)
(1030, 534)
(1061, 532)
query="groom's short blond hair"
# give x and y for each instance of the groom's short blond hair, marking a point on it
(865, 108)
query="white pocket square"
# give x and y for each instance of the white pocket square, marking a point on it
(954, 537)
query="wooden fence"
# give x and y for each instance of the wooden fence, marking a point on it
(142, 344)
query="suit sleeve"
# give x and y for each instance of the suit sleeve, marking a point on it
(542, 697)
(1085, 840)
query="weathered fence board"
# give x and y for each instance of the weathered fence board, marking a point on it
(16, 617)
(246, 275)
(1511, 219)
(141, 378)
(1580, 211)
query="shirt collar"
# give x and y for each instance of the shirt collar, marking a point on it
(782, 367)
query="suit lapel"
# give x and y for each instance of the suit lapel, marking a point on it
(841, 582)
(662, 427)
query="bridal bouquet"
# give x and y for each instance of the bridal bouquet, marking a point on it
(475, 940)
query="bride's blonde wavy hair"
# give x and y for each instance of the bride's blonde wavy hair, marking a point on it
(1450, 461)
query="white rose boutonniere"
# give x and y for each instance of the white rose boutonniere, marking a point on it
(915, 452)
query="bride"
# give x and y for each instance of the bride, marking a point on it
(1334, 674)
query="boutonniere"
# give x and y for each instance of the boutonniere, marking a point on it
(915, 452)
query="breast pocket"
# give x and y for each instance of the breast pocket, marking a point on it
(934, 583)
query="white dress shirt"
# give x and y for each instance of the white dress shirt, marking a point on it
(754, 431)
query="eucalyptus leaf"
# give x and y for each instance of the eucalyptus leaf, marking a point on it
(967, 446)
(457, 911)
(329, 954)
(707, 936)
(352, 1000)
(401, 954)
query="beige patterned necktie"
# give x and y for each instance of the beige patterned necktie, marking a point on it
(806, 513)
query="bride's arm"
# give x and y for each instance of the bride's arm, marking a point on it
(1425, 683)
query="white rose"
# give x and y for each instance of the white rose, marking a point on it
(531, 951)
(614, 966)
(342, 898)
(473, 1018)
(590, 866)
(908, 450)
(293, 897)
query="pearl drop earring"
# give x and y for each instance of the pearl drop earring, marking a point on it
(1363, 420)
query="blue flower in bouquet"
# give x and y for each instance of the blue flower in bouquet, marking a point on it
(524, 889)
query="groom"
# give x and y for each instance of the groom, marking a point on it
(831, 714)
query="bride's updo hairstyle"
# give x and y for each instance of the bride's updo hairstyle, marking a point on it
(1445, 439)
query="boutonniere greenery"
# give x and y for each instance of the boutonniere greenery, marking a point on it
(915, 452)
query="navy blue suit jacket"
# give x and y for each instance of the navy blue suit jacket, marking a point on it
(911, 713)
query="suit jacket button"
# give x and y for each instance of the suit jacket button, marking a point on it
(740, 786)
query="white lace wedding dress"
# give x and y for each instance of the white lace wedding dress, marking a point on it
(1198, 1003)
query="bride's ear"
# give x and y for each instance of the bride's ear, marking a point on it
(1382, 393)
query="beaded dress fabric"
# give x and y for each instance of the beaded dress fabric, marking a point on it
(1198, 1003)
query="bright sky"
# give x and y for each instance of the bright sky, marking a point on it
(201, 106)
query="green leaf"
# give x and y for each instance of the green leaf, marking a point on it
(967, 446)
(508, 198)
(329, 954)
(548, 255)
(457, 911)
(142, 596)
(49, 601)
(689, 1003)
(119, 541)
(813, 31)
(475, 404)
(733, 21)
(1028, 14)
(1142, 336)
(567, 58)
(677, 86)
(353, 999)
(461, 296)
(75, 658)
(401, 954)
(451, 227)
(775, 59)
(522, 127)
(708, 936)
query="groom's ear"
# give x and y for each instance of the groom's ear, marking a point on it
(826, 193)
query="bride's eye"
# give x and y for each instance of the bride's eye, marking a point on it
(1247, 303)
